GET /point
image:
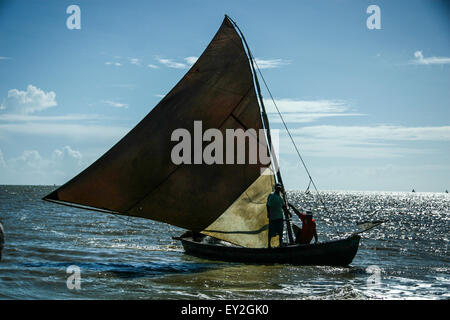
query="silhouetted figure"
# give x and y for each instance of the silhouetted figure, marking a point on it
(275, 214)
(308, 230)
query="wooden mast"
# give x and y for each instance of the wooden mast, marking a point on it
(269, 138)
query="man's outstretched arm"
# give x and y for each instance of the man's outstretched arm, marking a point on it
(295, 210)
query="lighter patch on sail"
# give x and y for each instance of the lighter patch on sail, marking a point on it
(245, 222)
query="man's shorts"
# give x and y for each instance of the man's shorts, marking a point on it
(276, 227)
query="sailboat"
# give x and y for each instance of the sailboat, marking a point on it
(222, 202)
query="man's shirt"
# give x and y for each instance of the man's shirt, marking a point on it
(308, 229)
(275, 203)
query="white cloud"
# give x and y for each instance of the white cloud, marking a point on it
(291, 105)
(74, 132)
(420, 59)
(117, 64)
(115, 104)
(29, 101)
(63, 163)
(172, 64)
(135, 61)
(302, 111)
(32, 168)
(271, 63)
(307, 117)
(368, 142)
(152, 66)
(67, 159)
(366, 134)
(191, 60)
(29, 159)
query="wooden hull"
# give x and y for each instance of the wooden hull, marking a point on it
(333, 253)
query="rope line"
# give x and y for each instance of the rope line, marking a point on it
(311, 181)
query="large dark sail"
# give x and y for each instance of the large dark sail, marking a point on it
(137, 177)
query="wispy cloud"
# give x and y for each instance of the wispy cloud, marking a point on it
(5, 58)
(115, 104)
(293, 105)
(135, 61)
(117, 64)
(420, 59)
(368, 142)
(78, 132)
(307, 117)
(271, 63)
(367, 134)
(302, 111)
(191, 60)
(172, 64)
(33, 168)
(31, 100)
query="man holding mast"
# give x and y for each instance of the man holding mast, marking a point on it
(275, 206)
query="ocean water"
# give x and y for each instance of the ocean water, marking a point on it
(133, 258)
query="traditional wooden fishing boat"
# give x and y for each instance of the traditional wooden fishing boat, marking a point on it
(332, 253)
(225, 200)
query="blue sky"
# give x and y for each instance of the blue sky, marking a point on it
(369, 109)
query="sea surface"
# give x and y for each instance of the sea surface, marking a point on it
(119, 257)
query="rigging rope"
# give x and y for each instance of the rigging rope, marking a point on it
(254, 66)
(311, 181)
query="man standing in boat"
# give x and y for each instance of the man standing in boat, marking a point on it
(308, 230)
(275, 214)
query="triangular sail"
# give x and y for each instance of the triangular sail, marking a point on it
(137, 177)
